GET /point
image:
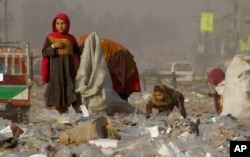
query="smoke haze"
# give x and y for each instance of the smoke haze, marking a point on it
(184, 15)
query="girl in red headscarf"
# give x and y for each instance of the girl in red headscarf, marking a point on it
(58, 64)
(215, 77)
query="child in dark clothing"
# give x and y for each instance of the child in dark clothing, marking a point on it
(59, 64)
(165, 99)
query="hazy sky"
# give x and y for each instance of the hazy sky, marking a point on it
(186, 14)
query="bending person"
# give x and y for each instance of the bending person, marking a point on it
(122, 67)
(165, 99)
(215, 77)
(93, 80)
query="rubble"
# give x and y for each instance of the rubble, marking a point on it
(202, 133)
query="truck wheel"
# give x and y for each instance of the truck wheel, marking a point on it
(25, 114)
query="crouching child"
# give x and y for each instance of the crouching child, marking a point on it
(165, 99)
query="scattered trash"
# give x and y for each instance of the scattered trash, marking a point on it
(123, 134)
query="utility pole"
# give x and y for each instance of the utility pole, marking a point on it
(236, 26)
(205, 55)
(6, 20)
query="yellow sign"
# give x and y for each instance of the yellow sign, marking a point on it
(206, 24)
(245, 45)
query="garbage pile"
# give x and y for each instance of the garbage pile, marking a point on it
(121, 135)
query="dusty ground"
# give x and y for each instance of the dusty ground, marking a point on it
(36, 100)
(195, 105)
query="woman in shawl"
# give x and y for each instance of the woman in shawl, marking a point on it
(58, 65)
(215, 77)
(93, 81)
(122, 67)
(164, 99)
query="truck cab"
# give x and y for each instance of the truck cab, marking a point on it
(183, 69)
(15, 81)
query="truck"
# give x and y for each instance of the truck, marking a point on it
(183, 69)
(15, 80)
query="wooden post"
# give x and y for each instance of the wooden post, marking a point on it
(174, 82)
(144, 84)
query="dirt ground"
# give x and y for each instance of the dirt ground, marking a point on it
(194, 104)
(36, 101)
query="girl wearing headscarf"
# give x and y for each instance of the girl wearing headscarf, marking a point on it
(215, 77)
(60, 52)
(164, 99)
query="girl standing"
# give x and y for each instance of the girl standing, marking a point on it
(58, 64)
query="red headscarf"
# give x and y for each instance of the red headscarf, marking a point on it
(65, 34)
(62, 35)
(216, 76)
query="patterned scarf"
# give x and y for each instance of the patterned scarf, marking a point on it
(170, 95)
